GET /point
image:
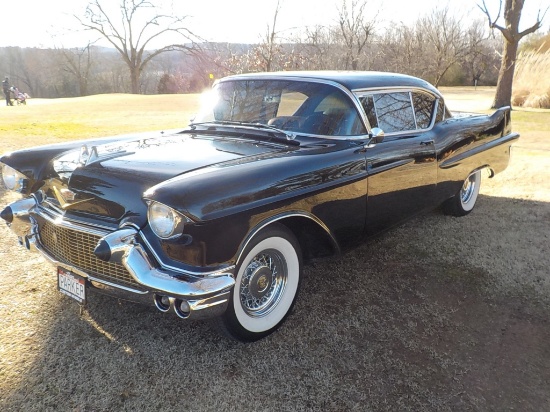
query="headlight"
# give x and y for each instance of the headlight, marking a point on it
(13, 180)
(165, 221)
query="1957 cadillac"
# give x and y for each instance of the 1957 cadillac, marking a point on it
(277, 168)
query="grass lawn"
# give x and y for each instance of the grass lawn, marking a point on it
(94, 116)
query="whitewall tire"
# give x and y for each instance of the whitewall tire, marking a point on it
(464, 200)
(266, 285)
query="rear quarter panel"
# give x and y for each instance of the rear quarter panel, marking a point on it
(468, 143)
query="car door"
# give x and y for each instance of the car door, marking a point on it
(402, 169)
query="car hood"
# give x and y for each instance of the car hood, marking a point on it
(111, 184)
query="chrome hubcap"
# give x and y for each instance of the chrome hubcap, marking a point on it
(468, 189)
(263, 283)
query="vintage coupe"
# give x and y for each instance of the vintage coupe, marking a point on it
(277, 168)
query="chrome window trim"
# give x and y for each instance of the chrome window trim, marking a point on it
(397, 89)
(434, 114)
(414, 112)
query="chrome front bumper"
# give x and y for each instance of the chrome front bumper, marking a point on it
(200, 296)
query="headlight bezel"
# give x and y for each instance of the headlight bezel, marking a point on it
(165, 222)
(12, 179)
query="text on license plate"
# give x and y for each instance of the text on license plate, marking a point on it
(71, 285)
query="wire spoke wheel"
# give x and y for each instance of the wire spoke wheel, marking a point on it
(263, 283)
(266, 285)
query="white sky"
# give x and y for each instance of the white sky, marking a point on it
(49, 23)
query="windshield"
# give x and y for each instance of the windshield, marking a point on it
(295, 106)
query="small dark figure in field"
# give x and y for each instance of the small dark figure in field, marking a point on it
(7, 91)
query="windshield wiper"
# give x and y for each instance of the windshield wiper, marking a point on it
(289, 136)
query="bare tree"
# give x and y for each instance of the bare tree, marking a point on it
(402, 49)
(480, 60)
(268, 49)
(512, 36)
(320, 48)
(78, 63)
(446, 40)
(355, 29)
(132, 32)
(25, 67)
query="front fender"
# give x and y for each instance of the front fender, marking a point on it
(228, 203)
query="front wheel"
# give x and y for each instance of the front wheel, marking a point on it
(266, 285)
(464, 200)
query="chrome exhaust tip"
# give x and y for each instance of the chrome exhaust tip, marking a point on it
(182, 308)
(162, 302)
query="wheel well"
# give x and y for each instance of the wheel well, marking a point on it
(314, 240)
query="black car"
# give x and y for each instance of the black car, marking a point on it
(278, 168)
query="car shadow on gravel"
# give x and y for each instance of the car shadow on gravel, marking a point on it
(438, 314)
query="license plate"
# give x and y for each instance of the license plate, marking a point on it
(72, 285)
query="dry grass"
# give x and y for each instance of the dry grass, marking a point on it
(532, 80)
(441, 314)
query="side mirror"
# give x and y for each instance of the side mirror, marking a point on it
(376, 135)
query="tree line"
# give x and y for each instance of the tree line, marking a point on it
(439, 46)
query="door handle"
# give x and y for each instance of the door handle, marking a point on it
(426, 142)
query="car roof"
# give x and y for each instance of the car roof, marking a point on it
(352, 80)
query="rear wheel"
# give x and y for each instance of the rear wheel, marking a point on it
(465, 199)
(266, 285)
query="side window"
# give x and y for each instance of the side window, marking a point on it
(423, 109)
(394, 112)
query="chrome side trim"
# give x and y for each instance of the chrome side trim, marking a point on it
(395, 89)
(276, 218)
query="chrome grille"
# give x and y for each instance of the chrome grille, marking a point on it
(76, 248)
